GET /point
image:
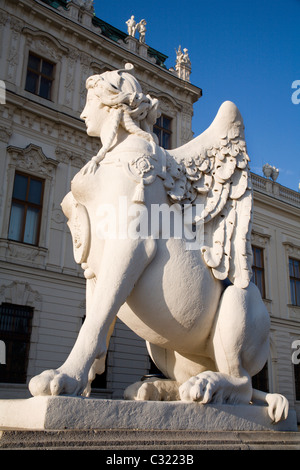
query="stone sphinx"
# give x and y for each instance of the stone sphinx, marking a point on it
(204, 322)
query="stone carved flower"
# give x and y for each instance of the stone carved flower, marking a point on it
(142, 165)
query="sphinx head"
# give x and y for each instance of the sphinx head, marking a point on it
(118, 96)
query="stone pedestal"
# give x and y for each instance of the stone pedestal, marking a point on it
(72, 413)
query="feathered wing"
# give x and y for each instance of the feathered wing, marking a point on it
(212, 170)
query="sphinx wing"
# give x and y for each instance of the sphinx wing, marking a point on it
(212, 171)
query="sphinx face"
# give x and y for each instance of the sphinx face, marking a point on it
(94, 114)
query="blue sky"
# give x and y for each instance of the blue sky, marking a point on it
(246, 51)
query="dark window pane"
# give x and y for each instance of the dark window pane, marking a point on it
(35, 191)
(294, 281)
(20, 187)
(26, 209)
(45, 88)
(34, 62)
(156, 131)
(166, 123)
(259, 280)
(47, 69)
(162, 128)
(293, 292)
(166, 141)
(260, 381)
(297, 293)
(15, 331)
(39, 76)
(291, 267)
(297, 380)
(31, 82)
(296, 269)
(258, 276)
(258, 257)
(158, 122)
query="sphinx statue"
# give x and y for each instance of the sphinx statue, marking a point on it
(191, 299)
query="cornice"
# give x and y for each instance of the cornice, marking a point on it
(267, 191)
(90, 40)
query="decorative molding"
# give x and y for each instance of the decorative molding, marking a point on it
(3, 18)
(16, 24)
(275, 190)
(65, 156)
(45, 44)
(5, 134)
(33, 159)
(58, 216)
(22, 254)
(292, 249)
(259, 239)
(20, 293)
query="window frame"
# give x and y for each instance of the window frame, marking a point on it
(13, 337)
(261, 269)
(26, 205)
(293, 290)
(163, 130)
(261, 380)
(296, 373)
(40, 75)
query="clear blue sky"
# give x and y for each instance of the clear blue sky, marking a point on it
(246, 51)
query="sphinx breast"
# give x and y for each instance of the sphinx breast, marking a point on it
(92, 186)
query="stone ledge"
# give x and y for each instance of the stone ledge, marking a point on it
(74, 413)
(156, 441)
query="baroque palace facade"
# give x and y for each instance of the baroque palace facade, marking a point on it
(48, 49)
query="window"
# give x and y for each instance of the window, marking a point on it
(100, 380)
(162, 128)
(26, 209)
(297, 380)
(15, 332)
(258, 270)
(260, 381)
(294, 268)
(39, 78)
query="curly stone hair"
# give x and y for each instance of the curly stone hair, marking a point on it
(130, 107)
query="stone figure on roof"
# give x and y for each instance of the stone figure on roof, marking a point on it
(131, 26)
(141, 28)
(183, 64)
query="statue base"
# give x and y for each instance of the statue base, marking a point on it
(75, 413)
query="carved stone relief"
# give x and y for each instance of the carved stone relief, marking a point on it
(259, 239)
(5, 134)
(292, 250)
(32, 159)
(14, 49)
(45, 44)
(20, 293)
(70, 77)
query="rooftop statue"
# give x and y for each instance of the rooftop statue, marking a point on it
(183, 64)
(192, 300)
(131, 26)
(140, 27)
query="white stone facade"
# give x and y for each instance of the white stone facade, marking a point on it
(47, 139)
